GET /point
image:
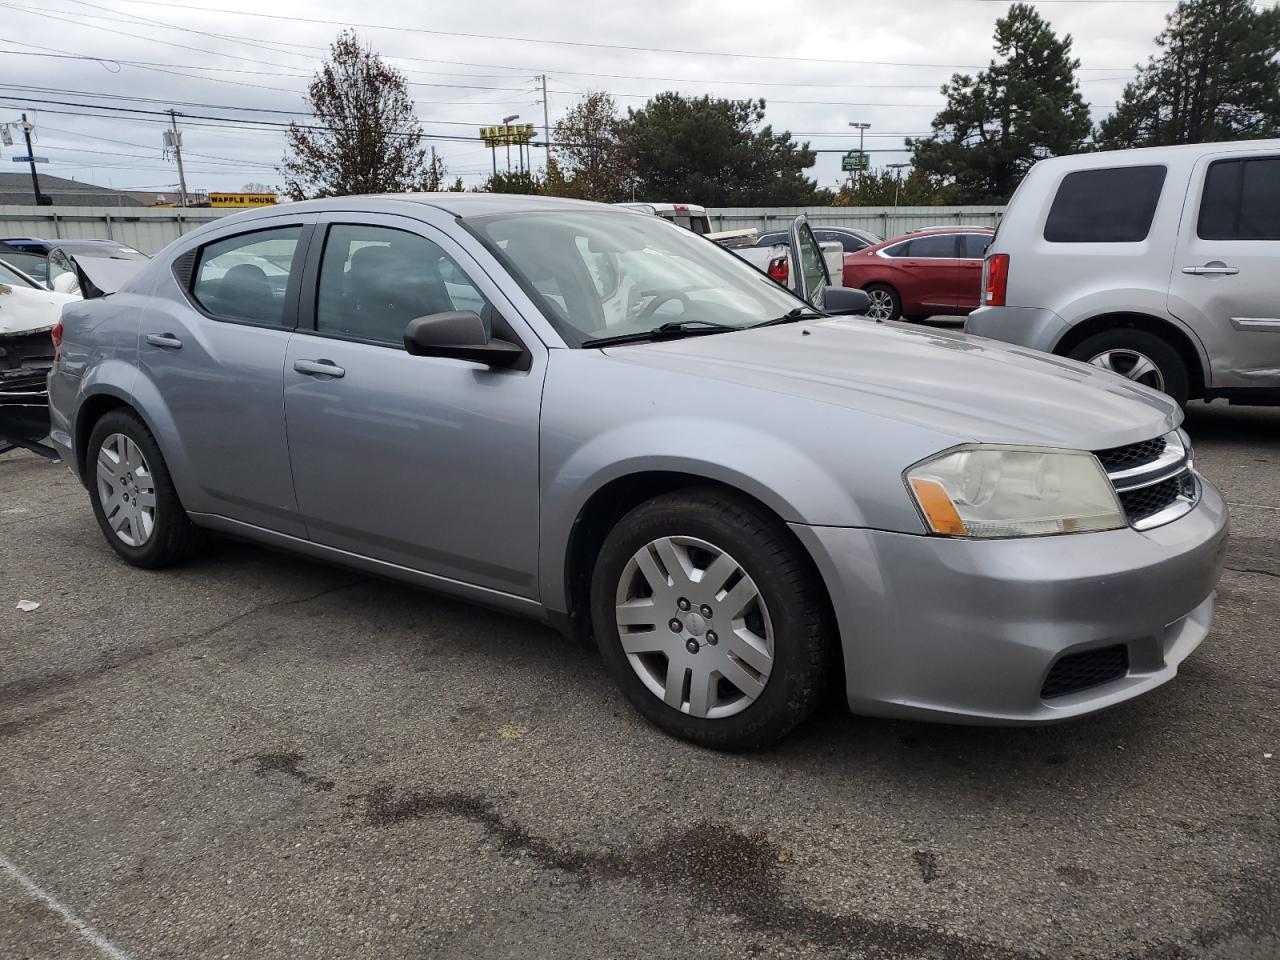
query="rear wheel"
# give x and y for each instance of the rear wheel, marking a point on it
(134, 501)
(886, 305)
(1141, 357)
(711, 620)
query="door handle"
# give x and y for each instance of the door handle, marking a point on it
(166, 340)
(1211, 271)
(319, 368)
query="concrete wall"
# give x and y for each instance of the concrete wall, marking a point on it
(148, 229)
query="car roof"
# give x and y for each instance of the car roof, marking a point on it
(1108, 158)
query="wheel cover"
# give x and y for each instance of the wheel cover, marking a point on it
(126, 490)
(881, 305)
(694, 627)
(1132, 364)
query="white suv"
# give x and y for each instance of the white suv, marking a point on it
(1161, 264)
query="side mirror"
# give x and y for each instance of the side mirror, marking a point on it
(459, 335)
(845, 301)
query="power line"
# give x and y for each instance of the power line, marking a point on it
(400, 28)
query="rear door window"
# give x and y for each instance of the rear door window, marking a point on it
(1111, 205)
(244, 278)
(973, 246)
(934, 247)
(1241, 200)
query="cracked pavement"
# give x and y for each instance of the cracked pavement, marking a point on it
(255, 755)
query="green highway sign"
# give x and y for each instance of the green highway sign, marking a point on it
(853, 161)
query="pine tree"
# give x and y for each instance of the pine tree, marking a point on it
(1026, 106)
(1216, 77)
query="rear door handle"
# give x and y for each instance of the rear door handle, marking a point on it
(319, 368)
(1211, 271)
(166, 340)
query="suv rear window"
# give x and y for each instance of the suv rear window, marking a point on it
(1241, 200)
(1112, 205)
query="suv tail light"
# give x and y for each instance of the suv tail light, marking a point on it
(56, 335)
(995, 279)
(778, 270)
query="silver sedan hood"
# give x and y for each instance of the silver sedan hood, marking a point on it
(971, 388)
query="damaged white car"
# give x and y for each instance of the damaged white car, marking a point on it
(28, 314)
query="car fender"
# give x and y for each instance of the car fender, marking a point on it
(1134, 300)
(756, 462)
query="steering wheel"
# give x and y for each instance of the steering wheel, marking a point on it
(661, 298)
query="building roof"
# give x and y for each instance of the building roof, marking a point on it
(15, 189)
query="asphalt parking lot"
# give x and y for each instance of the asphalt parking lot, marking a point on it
(259, 756)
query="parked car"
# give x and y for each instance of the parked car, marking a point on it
(1161, 264)
(925, 273)
(69, 266)
(850, 240)
(778, 261)
(28, 313)
(687, 215)
(605, 422)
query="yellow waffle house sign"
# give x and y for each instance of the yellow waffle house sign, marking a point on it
(242, 199)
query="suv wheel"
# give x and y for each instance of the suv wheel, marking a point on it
(886, 305)
(134, 500)
(1141, 356)
(711, 620)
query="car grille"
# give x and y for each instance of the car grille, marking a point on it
(1146, 502)
(1080, 671)
(1132, 454)
(1153, 479)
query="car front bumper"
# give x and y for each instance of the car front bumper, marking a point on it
(968, 630)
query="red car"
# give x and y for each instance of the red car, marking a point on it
(923, 274)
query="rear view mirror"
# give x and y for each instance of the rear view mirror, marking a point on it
(840, 301)
(459, 335)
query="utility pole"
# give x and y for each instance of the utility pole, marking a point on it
(546, 122)
(41, 199)
(175, 143)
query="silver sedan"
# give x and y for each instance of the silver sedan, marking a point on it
(595, 418)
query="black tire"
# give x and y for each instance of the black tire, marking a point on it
(803, 626)
(895, 301)
(174, 537)
(1172, 368)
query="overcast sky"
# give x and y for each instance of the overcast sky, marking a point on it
(874, 61)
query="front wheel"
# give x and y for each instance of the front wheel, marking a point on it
(1140, 356)
(886, 305)
(711, 620)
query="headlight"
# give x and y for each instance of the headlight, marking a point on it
(997, 491)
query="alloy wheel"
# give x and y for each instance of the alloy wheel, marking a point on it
(126, 489)
(1131, 364)
(881, 307)
(694, 627)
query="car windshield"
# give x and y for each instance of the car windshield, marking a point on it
(9, 275)
(606, 274)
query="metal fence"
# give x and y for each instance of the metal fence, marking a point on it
(150, 228)
(144, 228)
(884, 221)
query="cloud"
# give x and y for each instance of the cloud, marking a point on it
(204, 63)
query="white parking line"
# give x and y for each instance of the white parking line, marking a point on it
(104, 946)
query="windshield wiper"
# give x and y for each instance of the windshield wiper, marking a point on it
(791, 316)
(671, 330)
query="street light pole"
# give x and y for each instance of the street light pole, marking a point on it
(506, 135)
(897, 182)
(862, 129)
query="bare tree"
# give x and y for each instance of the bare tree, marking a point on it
(364, 137)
